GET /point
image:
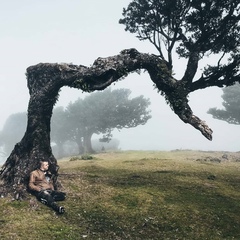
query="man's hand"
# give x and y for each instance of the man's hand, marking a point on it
(45, 191)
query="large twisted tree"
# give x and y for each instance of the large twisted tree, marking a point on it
(194, 29)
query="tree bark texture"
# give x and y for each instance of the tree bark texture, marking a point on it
(45, 81)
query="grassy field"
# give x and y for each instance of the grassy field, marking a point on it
(136, 195)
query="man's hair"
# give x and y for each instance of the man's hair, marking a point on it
(42, 161)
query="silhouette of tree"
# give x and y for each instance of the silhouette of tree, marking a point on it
(231, 103)
(102, 112)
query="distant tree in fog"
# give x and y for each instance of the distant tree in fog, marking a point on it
(102, 112)
(60, 128)
(12, 132)
(231, 103)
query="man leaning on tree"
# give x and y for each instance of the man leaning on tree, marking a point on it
(40, 183)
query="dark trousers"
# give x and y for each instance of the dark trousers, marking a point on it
(49, 197)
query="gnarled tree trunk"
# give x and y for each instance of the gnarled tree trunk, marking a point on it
(44, 82)
(35, 145)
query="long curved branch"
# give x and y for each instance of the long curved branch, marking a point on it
(184, 112)
(105, 71)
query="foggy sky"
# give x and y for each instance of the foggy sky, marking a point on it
(78, 32)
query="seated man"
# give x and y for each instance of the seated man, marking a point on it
(41, 185)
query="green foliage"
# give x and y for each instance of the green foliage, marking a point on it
(199, 24)
(83, 157)
(194, 30)
(136, 195)
(75, 158)
(231, 104)
(101, 112)
(87, 157)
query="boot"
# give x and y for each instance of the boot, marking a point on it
(58, 209)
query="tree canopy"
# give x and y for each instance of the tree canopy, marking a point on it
(194, 30)
(231, 105)
(100, 113)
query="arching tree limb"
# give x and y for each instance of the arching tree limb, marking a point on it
(45, 81)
